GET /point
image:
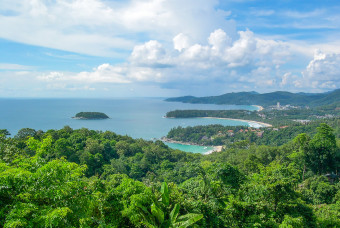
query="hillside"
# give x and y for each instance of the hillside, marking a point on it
(266, 99)
(87, 178)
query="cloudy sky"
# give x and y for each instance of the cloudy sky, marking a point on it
(131, 48)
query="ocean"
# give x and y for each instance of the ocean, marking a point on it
(136, 117)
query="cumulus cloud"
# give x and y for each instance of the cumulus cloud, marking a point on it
(181, 42)
(151, 53)
(219, 40)
(323, 71)
(242, 51)
(221, 61)
(247, 59)
(104, 73)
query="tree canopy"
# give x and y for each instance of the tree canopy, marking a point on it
(87, 178)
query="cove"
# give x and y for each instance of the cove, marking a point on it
(136, 117)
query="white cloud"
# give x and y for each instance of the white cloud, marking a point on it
(104, 73)
(323, 71)
(181, 42)
(103, 28)
(150, 53)
(219, 40)
(285, 78)
(248, 59)
(191, 46)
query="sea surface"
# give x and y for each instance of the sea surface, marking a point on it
(136, 117)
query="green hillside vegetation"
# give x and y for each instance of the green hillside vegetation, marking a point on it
(216, 135)
(86, 178)
(266, 99)
(91, 115)
(274, 117)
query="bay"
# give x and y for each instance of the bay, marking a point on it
(136, 117)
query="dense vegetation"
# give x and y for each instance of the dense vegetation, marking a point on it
(91, 115)
(276, 118)
(86, 178)
(267, 99)
(227, 135)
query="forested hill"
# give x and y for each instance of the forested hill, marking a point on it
(86, 178)
(267, 99)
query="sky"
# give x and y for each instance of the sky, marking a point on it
(165, 48)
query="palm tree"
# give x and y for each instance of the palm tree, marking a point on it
(164, 214)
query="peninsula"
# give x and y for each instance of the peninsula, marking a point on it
(267, 99)
(90, 116)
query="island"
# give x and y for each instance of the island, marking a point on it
(91, 116)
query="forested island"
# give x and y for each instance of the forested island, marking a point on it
(87, 178)
(91, 116)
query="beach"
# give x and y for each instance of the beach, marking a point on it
(253, 123)
(165, 139)
(260, 108)
(215, 148)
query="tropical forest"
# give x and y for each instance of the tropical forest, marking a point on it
(87, 178)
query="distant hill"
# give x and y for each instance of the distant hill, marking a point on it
(266, 99)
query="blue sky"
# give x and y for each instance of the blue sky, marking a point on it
(108, 48)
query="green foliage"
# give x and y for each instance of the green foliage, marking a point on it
(49, 194)
(328, 215)
(4, 132)
(269, 199)
(318, 190)
(86, 178)
(320, 156)
(165, 214)
(253, 98)
(9, 150)
(24, 133)
(232, 135)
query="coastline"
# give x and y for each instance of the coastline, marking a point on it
(260, 108)
(216, 148)
(248, 121)
(252, 123)
(83, 118)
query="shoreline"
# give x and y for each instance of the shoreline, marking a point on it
(248, 121)
(83, 118)
(260, 108)
(216, 148)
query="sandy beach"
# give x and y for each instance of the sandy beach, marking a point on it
(261, 124)
(216, 148)
(220, 148)
(165, 139)
(260, 108)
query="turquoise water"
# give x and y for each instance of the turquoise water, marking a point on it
(190, 148)
(136, 117)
